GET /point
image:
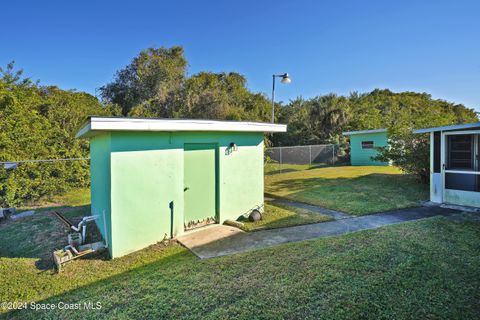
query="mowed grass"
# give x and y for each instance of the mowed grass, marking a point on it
(274, 167)
(355, 190)
(72, 198)
(423, 269)
(277, 216)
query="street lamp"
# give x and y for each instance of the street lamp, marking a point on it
(285, 80)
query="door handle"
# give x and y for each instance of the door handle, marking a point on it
(185, 189)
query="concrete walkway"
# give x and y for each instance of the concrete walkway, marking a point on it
(221, 240)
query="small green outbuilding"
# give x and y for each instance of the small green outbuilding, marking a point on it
(363, 146)
(158, 178)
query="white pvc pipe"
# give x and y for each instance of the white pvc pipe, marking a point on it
(84, 232)
(105, 229)
(84, 220)
(71, 247)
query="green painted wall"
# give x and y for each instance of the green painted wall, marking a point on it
(100, 184)
(241, 176)
(147, 174)
(362, 157)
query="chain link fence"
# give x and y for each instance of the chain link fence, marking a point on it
(281, 159)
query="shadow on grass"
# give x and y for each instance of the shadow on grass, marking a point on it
(83, 279)
(282, 216)
(325, 165)
(283, 223)
(382, 270)
(312, 167)
(369, 193)
(270, 173)
(39, 235)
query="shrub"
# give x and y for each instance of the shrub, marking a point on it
(410, 152)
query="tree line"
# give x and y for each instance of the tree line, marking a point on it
(40, 122)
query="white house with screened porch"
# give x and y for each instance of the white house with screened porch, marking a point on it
(455, 164)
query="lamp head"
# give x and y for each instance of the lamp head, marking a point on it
(285, 79)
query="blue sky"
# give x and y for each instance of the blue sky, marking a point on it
(326, 46)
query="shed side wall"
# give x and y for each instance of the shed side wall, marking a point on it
(100, 146)
(362, 157)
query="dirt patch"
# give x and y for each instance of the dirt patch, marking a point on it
(50, 241)
(38, 236)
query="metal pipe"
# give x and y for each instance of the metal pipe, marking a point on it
(62, 218)
(273, 98)
(285, 79)
(171, 206)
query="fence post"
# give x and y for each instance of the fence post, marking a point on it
(280, 159)
(333, 154)
(310, 154)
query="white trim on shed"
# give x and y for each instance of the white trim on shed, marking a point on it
(363, 131)
(99, 124)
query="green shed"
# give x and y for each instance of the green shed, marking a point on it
(158, 178)
(363, 146)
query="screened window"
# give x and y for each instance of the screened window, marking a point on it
(460, 152)
(367, 145)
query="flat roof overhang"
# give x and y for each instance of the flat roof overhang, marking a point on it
(350, 133)
(96, 125)
(450, 128)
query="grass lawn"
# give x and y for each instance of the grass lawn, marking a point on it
(423, 269)
(276, 216)
(275, 167)
(73, 198)
(355, 190)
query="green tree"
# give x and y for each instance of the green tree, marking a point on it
(222, 96)
(323, 118)
(155, 85)
(314, 121)
(40, 123)
(149, 83)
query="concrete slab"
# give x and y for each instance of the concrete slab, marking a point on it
(5, 212)
(225, 240)
(462, 208)
(22, 215)
(200, 238)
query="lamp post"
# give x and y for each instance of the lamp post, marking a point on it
(285, 80)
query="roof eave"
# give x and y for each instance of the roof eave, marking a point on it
(84, 131)
(448, 128)
(97, 125)
(350, 133)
